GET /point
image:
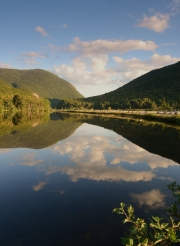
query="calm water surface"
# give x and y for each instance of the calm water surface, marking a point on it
(64, 194)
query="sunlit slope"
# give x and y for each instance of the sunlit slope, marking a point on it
(44, 83)
(38, 136)
(159, 83)
(13, 98)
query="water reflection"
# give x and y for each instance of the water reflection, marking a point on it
(100, 157)
(65, 193)
(153, 198)
(39, 186)
(36, 133)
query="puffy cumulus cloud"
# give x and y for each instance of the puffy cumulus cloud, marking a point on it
(41, 30)
(4, 65)
(158, 22)
(87, 71)
(29, 160)
(133, 68)
(104, 174)
(101, 47)
(160, 61)
(91, 66)
(153, 198)
(39, 186)
(30, 57)
(88, 153)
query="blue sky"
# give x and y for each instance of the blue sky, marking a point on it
(97, 46)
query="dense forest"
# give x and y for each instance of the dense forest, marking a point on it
(13, 99)
(41, 82)
(158, 89)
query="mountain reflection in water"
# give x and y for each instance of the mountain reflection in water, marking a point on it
(64, 194)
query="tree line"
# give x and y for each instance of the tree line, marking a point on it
(13, 99)
(127, 104)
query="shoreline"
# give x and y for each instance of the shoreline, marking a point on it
(168, 117)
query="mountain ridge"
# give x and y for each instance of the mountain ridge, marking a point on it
(42, 82)
(146, 85)
(157, 89)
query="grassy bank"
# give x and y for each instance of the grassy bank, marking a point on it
(168, 117)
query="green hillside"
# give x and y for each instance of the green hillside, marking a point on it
(155, 85)
(158, 88)
(44, 83)
(14, 99)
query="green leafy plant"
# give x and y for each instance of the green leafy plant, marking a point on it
(156, 232)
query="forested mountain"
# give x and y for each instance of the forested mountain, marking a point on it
(44, 83)
(13, 99)
(160, 87)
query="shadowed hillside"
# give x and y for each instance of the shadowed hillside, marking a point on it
(44, 83)
(158, 89)
(159, 83)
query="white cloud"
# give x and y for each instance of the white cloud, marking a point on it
(97, 73)
(101, 47)
(41, 30)
(4, 65)
(30, 57)
(92, 164)
(29, 160)
(153, 198)
(158, 22)
(85, 72)
(39, 186)
(133, 68)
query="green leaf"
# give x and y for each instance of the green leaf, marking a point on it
(157, 219)
(140, 221)
(117, 210)
(172, 236)
(155, 225)
(145, 242)
(134, 231)
(125, 241)
(164, 225)
(144, 227)
(125, 221)
(122, 205)
(172, 220)
(130, 209)
(131, 241)
(176, 192)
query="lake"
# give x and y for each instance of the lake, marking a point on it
(61, 177)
